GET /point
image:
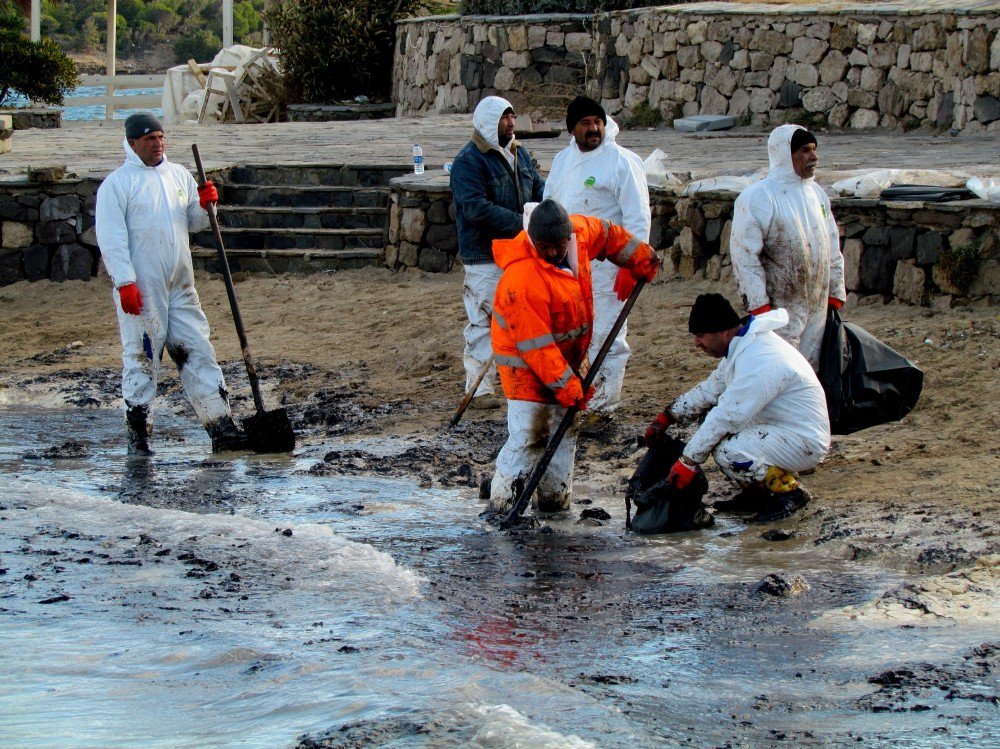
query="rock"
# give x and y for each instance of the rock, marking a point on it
(864, 119)
(412, 224)
(853, 250)
(435, 261)
(987, 109)
(59, 208)
(700, 122)
(819, 99)
(47, 173)
(910, 283)
(14, 234)
(72, 262)
(782, 586)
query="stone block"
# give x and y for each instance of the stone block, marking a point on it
(408, 254)
(15, 235)
(987, 280)
(910, 283)
(55, 232)
(864, 119)
(987, 109)
(942, 301)
(961, 238)
(944, 283)
(412, 224)
(435, 261)
(853, 251)
(901, 241)
(578, 42)
(6, 133)
(36, 262)
(11, 267)
(819, 99)
(442, 237)
(437, 212)
(72, 262)
(89, 236)
(807, 50)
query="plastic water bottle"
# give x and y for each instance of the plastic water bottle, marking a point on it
(418, 160)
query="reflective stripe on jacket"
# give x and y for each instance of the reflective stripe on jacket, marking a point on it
(543, 315)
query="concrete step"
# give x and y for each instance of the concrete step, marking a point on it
(294, 239)
(348, 175)
(285, 261)
(303, 196)
(302, 217)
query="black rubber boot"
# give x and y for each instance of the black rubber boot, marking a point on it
(137, 430)
(782, 505)
(751, 499)
(226, 436)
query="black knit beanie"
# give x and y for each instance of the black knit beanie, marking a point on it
(582, 107)
(800, 137)
(549, 222)
(712, 313)
(140, 124)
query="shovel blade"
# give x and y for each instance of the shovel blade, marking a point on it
(270, 432)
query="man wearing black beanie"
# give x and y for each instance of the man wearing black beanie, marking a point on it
(764, 411)
(145, 210)
(785, 244)
(594, 176)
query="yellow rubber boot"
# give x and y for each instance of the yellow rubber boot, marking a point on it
(779, 481)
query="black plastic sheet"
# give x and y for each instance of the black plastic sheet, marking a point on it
(660, 507)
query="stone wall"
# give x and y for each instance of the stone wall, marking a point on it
(47, 231)
(886, 65)
(892, 250)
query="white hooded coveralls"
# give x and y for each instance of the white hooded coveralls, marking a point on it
(764, 407)
(609, 183)
(144, 215)
(785, 248)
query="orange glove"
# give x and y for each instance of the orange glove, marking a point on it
(573, 395)
(681, 475)
(834, 303)
(207, 194)
(761, 310)
(131, 299)
(656, 429)
(624, 283)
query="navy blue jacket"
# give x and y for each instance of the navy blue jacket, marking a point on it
(488, 203)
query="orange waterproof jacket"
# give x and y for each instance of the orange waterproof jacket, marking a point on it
(543, 315)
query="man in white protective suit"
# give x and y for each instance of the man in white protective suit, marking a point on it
(594, 176)
(785, 245)
(145, 211)
(764, 411)
(491, 180)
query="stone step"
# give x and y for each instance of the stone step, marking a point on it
(302, 217)
(347, 175)
(307, 196)
(295, 239)
(285, 261)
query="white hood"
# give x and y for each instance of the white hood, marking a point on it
(779, 153)
(487, 116)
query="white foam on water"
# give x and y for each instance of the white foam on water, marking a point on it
(503, 727)
(313, 558)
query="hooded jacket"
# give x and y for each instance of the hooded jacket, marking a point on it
(543, 315)
(762, 380)
(490, 185)
(608, 182)
(785, 244)
(144, 217)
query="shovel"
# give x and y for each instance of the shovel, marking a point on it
(267, 431)
(472, 391)
(536, 476)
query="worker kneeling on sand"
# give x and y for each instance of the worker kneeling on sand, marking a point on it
(764, 411)
(543, 318)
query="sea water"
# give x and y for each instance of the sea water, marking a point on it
(96, 111)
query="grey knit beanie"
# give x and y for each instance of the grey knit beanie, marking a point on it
(549, 222)
(140, 124)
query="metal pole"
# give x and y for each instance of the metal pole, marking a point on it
(36, 20)
(227, 23)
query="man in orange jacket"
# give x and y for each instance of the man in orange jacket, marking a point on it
(543, 317)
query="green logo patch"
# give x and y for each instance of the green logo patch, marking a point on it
(590, 181)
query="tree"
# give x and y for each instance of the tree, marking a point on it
(39, 70)
(336, 49)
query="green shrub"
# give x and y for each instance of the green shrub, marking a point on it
(201, 45)
(39, 70)
(960, 266)
(336, 49)
(643, 115)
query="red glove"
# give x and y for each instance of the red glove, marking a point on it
(681, 475)
(656, 429)
(624, 283)
(572, 395)
(207, 194)
(130, 298)
(761, 310)
(834, 303)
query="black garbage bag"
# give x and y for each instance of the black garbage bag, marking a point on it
(660, 507)
(866, 382)
(926, 193)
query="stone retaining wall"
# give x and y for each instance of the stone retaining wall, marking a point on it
(892, 250)
(887, 65)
